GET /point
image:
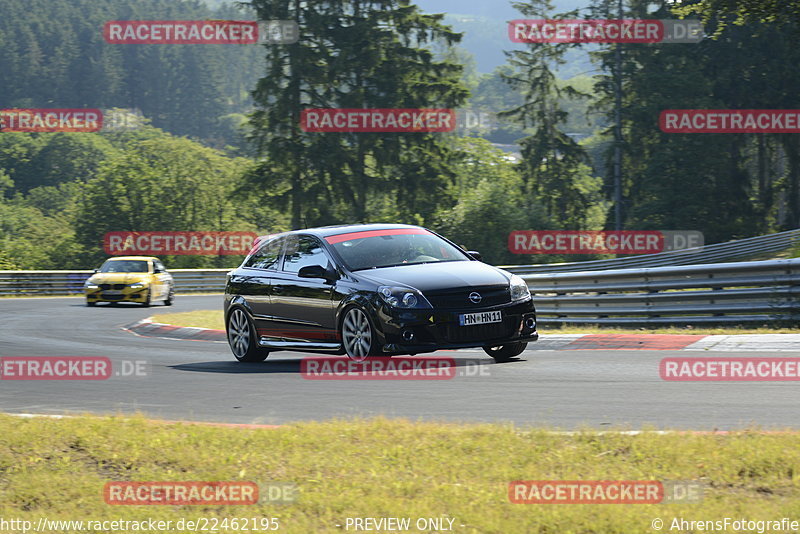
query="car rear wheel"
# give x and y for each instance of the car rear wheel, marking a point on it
(242, 338)
(503, 353)
(357, 335)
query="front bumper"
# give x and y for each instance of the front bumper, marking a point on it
(125, 294)
(416, 331)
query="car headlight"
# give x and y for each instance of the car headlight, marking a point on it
(519, 289)
(90, 285)
(137, 285)
(403, 297)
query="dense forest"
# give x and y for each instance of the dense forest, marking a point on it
(216, 144)
(54, 55)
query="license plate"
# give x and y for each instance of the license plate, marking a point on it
(469, 319)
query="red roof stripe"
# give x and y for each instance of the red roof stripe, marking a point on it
(373, 233)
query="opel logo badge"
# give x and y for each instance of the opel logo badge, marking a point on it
(475, 297)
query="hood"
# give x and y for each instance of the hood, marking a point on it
(119, 278)
(438, 276)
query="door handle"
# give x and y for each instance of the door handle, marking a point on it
(276, 289)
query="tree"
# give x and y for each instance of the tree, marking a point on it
(36, 233)
(490, 204)
(35, 159)
(54, 56)
(555, 167)
(163, 184)
(352, 54)
(726, 185)
(741, 12)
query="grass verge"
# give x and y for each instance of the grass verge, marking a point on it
(390, 468)
(201, 318)
(213, 319)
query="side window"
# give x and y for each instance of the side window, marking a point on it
(267, 256)
(303, 251)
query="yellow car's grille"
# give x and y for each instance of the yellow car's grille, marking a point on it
(106, 287)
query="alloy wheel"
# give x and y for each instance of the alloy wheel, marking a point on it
(357, 335)
(238, 333)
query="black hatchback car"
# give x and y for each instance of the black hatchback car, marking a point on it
(373, 290)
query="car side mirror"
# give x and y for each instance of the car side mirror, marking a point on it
(475, 254)
(95, 270)
(317, 271)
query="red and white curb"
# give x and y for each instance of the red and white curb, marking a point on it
(614, 342)
(712, 343)
(147, 328)
(749, 342)
(693, 342)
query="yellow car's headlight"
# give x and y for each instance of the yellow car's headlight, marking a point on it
(138, 285)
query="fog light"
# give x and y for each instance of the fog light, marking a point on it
(530, 323)
(408, 335)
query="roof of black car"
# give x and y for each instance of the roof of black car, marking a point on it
(326, 231)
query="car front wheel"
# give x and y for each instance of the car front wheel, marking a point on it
(242, 338)
(357, 335)
(503, 353)
(170, 297)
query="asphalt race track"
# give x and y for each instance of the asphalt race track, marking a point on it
(201, 381)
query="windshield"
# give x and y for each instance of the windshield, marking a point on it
(124, 266)
(389, 248)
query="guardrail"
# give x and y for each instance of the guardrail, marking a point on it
(737, 250)
(32, 283)
(764, 292)
(743, 292)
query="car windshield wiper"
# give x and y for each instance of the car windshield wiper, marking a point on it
(388, 265)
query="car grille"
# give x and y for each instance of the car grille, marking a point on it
(479, 332)
(106, 287)
(459, 299)
(113, 297)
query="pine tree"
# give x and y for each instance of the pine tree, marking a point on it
(352, 54)
(555, 167)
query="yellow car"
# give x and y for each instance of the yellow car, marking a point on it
(141, 279)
